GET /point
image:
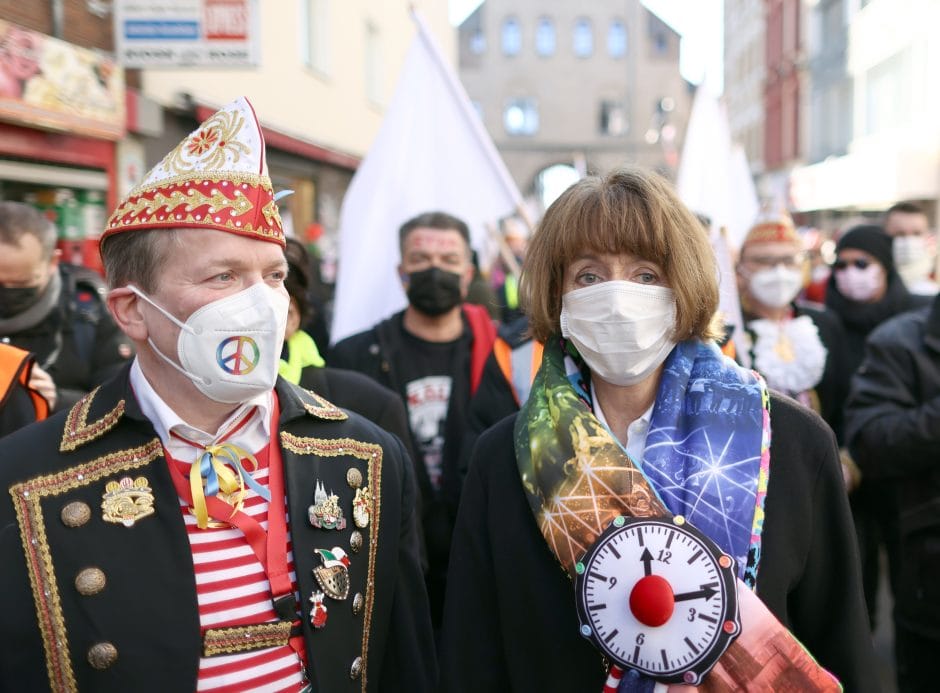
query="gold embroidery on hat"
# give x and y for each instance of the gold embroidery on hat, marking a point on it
(371, 453)
(27, 497)
(146, 209)
(210, 145)
(78, 431)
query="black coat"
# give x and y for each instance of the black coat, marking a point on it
(510, 621)
(893, 432)
(361, 394)
(148, 609)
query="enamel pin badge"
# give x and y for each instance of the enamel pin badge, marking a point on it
(325, 512)
(318, 613)
(127, 501)
(333, 574)
(362, 504)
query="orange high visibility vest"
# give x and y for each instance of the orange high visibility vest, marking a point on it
(16, 365)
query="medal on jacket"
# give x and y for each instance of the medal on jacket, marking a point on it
(127, 501)
(333, 574)
(657, 595)
(318, 614)
(325, 512)
(362, 505)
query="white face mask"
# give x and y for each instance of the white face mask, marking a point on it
(623, 330)
(776, 287)
(230, 348)
(860, 284)
(912, 258)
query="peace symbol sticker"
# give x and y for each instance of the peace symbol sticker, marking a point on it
(238, 355)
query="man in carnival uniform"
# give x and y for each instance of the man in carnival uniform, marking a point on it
(197, 523)
(794, 345)
(650, 492)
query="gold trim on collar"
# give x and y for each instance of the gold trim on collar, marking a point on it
(26, 499)
(322, 409)
(78, 431)
(371, 453)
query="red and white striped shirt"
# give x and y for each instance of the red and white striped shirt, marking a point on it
(232, 588)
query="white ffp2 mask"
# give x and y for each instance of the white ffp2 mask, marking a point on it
(776, 287)
(230, 348)
(623, 330)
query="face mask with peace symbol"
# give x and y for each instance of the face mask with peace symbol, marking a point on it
(230, 348)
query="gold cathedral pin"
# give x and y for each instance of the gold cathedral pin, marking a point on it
(127, 501)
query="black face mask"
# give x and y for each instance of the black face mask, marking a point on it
(434, 291)
(15, 299)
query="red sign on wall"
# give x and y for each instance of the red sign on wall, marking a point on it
(226, 19)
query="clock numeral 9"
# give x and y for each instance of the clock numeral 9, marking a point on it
(611, 582)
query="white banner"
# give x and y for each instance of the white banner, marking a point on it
(431, 154)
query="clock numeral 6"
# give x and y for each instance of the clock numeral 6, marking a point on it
(640, 638)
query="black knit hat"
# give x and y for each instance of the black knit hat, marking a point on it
(873, 240)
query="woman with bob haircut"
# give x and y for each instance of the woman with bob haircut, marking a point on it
(652, 515)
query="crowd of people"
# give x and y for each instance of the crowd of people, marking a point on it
(580, 485)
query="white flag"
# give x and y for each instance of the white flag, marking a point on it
(714, 179)
(430, 154)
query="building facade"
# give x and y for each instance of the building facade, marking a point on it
(586, 86)
(893, 149)
(325, 72)
(745, 71)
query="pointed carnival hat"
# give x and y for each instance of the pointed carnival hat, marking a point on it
(773, 227)
(216, 178)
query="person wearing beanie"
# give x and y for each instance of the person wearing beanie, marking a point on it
(865, 290)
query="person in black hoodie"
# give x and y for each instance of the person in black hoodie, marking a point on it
(865, 289)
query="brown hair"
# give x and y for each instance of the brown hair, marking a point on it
(627, 211)
(18, 220)
(136, 257)
(442, 221)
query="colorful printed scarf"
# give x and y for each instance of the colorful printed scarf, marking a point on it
(707, 454)
(707, 457)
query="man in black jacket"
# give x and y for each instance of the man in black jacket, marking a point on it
(893, 431)
(197, 522)
(431, 354)
(55, 311)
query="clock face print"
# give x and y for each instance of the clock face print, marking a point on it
(658, 596)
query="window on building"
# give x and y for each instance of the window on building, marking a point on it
(512, 37)
(477, 43)
(521, 117)
(315, 35)
(373, 64)
(659, 39)
(613, 118)
(617, 39)
(545, 37)
(583, 38)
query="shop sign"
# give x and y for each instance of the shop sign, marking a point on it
(48, 83)
(187, 33)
